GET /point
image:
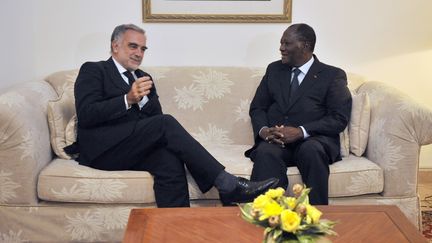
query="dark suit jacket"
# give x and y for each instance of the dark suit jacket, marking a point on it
(103, 120)
(322, 103)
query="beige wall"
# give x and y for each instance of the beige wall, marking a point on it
(386, 40)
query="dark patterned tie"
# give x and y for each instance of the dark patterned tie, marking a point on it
(130, 77)
(131, 80)
(294, 82)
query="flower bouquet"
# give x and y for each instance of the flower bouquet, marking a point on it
(287, 219)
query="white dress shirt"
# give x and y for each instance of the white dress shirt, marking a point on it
(121, 70)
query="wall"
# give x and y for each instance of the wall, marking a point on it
(387, 40)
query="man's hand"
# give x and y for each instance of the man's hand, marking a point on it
(281, 135)
(289, 134)
(271, 135)
(140, 88)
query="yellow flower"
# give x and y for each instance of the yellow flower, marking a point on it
(308, 219)
(260, 202)
(314, 213)
(275, 193)
(270, 209)
(290, 221)
(290, 202)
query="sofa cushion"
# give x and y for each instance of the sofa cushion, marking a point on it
(59, 113)
(71, 130)
(67, 181)
(358, 126)
(344, 143)
(62, 80)
(355, 136)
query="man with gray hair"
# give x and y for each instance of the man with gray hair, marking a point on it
(121, 127)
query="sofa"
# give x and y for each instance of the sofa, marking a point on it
(46, 196)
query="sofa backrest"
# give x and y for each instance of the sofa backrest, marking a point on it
(212, 103)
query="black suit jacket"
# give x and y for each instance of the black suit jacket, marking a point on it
(103, 120)
(322, 103)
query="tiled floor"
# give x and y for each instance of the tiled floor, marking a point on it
(425, 189)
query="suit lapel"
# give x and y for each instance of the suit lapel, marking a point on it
(307, 84)
(115, 76)
(283, 77)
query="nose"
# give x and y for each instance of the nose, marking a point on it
(139, 52)
(282, 47)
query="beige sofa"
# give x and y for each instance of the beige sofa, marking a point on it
(46, 197)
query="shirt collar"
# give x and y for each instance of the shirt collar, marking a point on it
(120, 68)
(305, 67)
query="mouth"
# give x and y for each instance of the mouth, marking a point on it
(284, 57)
(135, 60)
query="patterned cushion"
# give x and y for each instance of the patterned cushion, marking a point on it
(358, 126)
(355, 136)
(60, 112)
(67, 181)
(344, 143)
(63, 80)
(354, 81)
(71, 130)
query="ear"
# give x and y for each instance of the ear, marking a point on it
(114, 46)
(303, 47)
(306, 47)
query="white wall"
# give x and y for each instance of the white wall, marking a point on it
(386, 40)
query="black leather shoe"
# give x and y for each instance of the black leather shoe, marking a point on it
(247, 191)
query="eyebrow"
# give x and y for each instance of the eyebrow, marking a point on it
(135, 44)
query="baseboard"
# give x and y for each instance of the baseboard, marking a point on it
(425, 169)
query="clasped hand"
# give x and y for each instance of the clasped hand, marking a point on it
(140, 88)
(281, 135)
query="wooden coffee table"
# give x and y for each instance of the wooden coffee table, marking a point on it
(224, 224)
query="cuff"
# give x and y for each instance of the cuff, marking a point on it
(126, 103)
(305, 134)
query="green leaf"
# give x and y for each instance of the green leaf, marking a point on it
(306, 239)
(246, 215)
(303, 198)
(277, 233)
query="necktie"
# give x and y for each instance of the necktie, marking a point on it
(294, 82)
(130, 77)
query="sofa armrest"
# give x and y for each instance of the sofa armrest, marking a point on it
(24, 140)
(398, 128)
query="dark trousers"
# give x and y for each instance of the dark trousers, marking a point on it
(271, 160)
(161, 146)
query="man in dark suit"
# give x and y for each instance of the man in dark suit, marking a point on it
(298, 111)
(121, 127)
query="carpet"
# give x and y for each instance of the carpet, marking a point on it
(427, 224)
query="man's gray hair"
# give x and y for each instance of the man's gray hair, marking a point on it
(118, 32)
